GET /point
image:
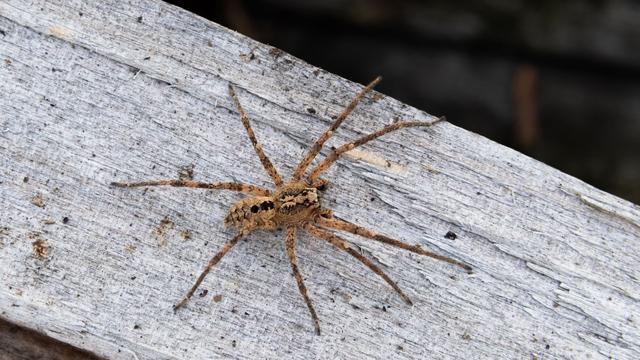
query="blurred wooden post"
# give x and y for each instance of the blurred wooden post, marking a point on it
(525, 99)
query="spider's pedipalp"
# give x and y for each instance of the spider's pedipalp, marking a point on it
(266, 163)
(290, 243)
(359, 230)
(344, 245)
(317, 146)
(212, 262)
(336, 153)
(245, 188)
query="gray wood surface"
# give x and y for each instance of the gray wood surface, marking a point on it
(99, 91)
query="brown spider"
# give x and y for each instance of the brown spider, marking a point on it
(296, 204)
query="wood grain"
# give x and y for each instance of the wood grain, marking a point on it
(95, 92)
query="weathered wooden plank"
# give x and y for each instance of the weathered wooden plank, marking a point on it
(109, 91)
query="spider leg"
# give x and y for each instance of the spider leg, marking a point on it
(358, 230)
(245, 188)
(266, 163)
(336, 153)
(317, 146)
(212, 262)
(344, 245)
(290, 242)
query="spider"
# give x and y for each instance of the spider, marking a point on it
(296, 204)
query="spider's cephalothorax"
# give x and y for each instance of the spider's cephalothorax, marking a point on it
(296, 205)
(291, 204)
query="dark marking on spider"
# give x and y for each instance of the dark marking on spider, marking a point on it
(295, 204)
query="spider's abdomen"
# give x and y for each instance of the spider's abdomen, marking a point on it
(253, 212)
(291, 204)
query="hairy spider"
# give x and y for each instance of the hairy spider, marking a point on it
(296, 204)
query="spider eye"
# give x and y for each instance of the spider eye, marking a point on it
(254, 209)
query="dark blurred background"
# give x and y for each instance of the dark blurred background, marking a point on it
(556, 80)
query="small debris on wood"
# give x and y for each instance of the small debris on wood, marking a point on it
(275, 52)
(186, 172)
(39, 246)
(3, 231)
(38, 200)
(451, 235)
(431, 169)
(161, 232)
(186, 234)
(250, 55)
